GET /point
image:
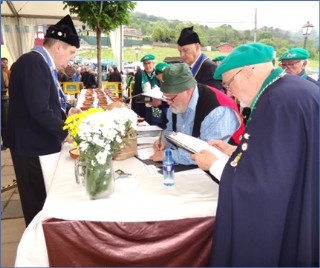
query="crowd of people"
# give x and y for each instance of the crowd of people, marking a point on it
(268, 207)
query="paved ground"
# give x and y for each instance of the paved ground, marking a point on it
(11, 229)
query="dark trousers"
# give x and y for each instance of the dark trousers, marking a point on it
(4, 113)
(31, 186)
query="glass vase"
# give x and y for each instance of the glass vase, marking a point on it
(99, 180)
(80, 171)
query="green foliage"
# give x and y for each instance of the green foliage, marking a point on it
(269, 42)
(104, 15)
(167, 31)
(162, 52)
(170, 30)
(101, 16)
(264, 35)
(162, 34)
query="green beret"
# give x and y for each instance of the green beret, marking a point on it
(177, 78)
(161, 66)
(244, 55)
(147, 57)
(219, 58)
(295, 54)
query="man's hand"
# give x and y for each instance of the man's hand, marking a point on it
(159, 146)
(157, 156)
(155, 102)
(223, 146)
(74, 110)
(69, 139)
(204, 159)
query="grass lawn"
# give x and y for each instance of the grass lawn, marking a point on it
(159, 52)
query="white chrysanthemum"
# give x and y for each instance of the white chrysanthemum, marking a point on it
(102, 157)
(108, 171)
(98, 140)
(83, 146)
(105, 129)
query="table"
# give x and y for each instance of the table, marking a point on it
(152, 225)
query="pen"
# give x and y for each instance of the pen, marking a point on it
(159, 140)
(225, 137)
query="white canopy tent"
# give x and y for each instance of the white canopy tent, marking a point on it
(20, 20)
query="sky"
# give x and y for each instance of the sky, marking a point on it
(285, 15)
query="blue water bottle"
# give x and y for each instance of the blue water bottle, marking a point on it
(168, 169)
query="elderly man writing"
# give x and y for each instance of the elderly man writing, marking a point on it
(268, 207)
(194, 109)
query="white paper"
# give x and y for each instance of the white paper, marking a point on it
(147, 140)
(154, 93)
(148, 128)
(193, 144)
(145, 153)
(195, 171)
(152, 170)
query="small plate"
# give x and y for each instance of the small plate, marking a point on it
(74, 153)
(140, 119)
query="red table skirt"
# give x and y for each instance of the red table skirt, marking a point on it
(185, 242)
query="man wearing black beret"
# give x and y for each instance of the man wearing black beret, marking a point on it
(201, 66)
(35, 132)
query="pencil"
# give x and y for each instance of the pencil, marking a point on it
(159, 140)
(225, 137)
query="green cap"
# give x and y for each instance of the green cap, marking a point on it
(295, 54)
(147, 57)
(161, 66)
(243, 55)
(219, 58)
(177, 78)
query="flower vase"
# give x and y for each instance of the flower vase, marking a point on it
(99, 179)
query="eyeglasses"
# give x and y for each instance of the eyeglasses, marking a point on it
(289, 64)
(170, 99)
(226, 85)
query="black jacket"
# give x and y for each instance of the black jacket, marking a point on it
(205, 75)
(34, 124)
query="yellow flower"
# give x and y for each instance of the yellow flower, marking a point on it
(72, 122)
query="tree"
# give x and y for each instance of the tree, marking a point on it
(101, 16)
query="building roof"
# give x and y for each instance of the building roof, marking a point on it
(224, 44)
(132, 32)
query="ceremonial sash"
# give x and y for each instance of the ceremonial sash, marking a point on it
(54, 74)
(195, 69)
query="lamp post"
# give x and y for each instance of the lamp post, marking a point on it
(137, 53)
(306, 30)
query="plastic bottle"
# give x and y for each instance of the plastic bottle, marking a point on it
(168, 169)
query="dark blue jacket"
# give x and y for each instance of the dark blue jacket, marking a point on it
(268, 207)
(34, 125)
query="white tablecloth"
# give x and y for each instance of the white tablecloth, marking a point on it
(194, 195)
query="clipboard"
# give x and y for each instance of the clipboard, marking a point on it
(192, 144)
(172, 138)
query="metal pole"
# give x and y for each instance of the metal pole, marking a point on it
(305, 42)
(255, 26)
